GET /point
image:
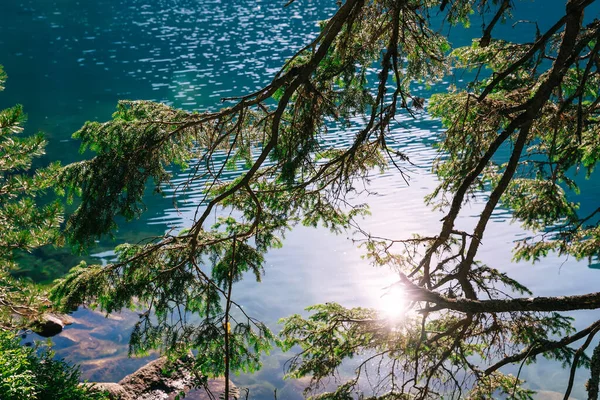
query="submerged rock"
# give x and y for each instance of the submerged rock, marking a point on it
(150, 383)
(86, 346)
(111, 369)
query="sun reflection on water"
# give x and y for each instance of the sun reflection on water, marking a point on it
(392, 303)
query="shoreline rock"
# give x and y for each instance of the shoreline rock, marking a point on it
(150, 383)
(51, 324)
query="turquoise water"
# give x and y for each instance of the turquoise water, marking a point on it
(70, 61)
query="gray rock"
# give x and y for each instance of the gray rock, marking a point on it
(52, 324)
(150, 383)
(114, 390)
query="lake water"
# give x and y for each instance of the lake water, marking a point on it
(70, 61)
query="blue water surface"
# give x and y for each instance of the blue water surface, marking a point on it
(70, 61)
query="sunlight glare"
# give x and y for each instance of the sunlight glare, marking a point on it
(392, 303)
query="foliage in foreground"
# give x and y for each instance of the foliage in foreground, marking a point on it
(32, 372)
(25, 224)
(27, 373)
(535, 101)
